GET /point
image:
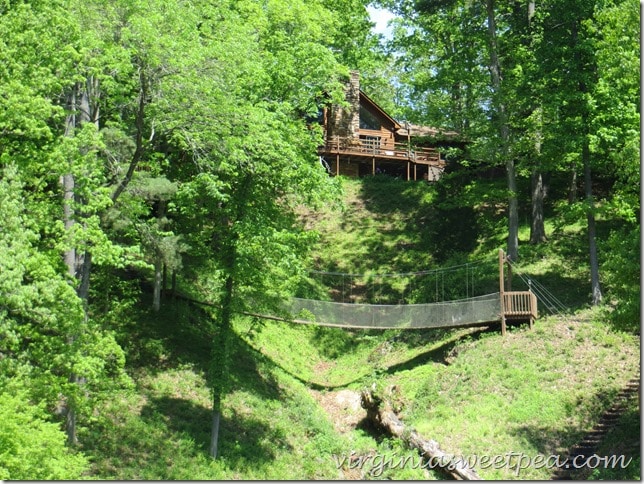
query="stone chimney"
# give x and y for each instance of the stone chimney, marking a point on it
(353, 98)
(345, 122)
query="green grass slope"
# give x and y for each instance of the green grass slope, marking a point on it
(532, 392)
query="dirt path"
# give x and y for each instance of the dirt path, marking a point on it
(343, 408)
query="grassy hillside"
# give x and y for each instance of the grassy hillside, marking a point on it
(291, 413)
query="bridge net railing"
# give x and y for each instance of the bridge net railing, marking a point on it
(463, 312)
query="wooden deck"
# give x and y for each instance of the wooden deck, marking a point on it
(515, 305)
(399, 151)
(416, 160)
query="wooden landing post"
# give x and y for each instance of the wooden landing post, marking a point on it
(501, 290)
(532, 307)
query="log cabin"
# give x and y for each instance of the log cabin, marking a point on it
(362, 139)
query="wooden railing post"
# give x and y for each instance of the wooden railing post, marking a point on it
(501, 290)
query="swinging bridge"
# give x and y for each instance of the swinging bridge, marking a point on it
(501, 306)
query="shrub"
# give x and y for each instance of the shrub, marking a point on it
(32, 448)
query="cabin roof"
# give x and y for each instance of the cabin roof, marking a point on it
(416, 130)
(413, 130)
(367, 101)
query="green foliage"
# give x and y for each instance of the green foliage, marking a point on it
(41, 310)
(332, 341)
(184, 129)
(623, 270)
(443, 75)
(31, 448)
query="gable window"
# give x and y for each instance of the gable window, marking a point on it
(368, 120)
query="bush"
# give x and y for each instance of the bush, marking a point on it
(622, 276)
(32, 448)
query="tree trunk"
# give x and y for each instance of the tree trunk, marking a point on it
(537, 228)
(158, 263)
(219, 364)
(82, 108)
(70, 417)
(513, 215)
(69, 256)
(158, 281)
(590, 216)
(504, 134)
(214, 434)
(380, 412)
(220, 360)
(572, 187)
(588, 185)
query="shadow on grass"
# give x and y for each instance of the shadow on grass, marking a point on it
(244, 440)
(181, 333)
(405, 217)
(619, 438)
(569, 291)
(547, 440)
(440, 354)
(246, 372)
(247, 441)
(180, 416)
(437, 354)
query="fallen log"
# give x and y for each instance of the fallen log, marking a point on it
(380, 412)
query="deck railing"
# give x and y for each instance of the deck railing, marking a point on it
(520, 304)
(401, 151)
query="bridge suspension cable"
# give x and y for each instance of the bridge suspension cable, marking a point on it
(549, 300)
(405, 274)
(473, 278)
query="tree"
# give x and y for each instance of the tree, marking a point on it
(31, 448)
(568, 65)
(615, 138)
(231, 124)
(50, 336)
(461, 93)
(40, 311)
(500, 107)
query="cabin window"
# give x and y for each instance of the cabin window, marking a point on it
(371, 143)
(368, 120)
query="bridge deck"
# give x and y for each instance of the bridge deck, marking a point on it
(519, 305)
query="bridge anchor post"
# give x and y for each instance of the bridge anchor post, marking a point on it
(501, 290)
